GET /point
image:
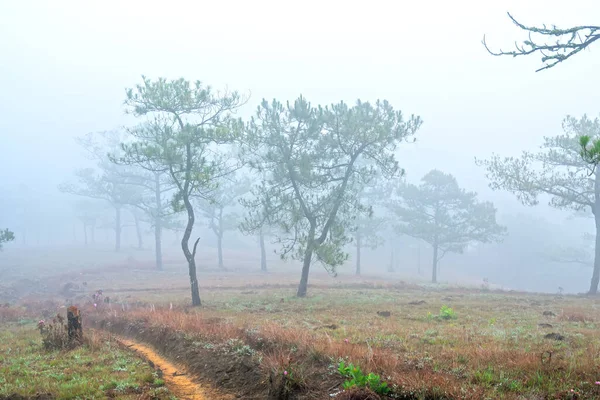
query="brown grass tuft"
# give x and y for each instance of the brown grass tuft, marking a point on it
(575, 315)
(358, 394)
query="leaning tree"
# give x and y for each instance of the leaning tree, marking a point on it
(316, 159)
(444, 215)
(184, 123)
(554, 44)
(557, 170)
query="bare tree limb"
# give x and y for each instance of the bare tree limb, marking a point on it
(568, 43)
(195, 247)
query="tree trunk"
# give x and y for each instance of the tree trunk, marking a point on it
(596, 211)
(391, 266)
(74, 326)
(358, 244)
(219, 233)
(158, 246)
(263, 253)
(117, 229)
(419, 259)
(138, 231)
(435, 262)
(596, 273)
(158, 223)
(189, 255)
(303, 287)
(85, 241)
(220, 250)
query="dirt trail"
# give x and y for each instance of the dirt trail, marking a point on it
(176, 378)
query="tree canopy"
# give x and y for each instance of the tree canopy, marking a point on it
(558, 171)
(184, 122)
(316, 159)
(444, 215)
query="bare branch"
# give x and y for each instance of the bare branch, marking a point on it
(569, 42)
(195, 247)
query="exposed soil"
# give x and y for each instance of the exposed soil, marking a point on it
(235, 375)
(176, 377)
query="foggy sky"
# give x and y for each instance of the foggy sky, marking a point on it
(64, 66)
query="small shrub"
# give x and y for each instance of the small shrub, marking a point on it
(55, 334)
(486, 377)
(112, 385)
(447, 313)
(358, 379)
(148, 378)
(238, 347)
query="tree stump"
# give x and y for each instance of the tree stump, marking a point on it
(74, 327)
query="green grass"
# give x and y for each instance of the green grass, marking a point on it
(88, 372)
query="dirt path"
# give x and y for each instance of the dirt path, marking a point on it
(176, 378)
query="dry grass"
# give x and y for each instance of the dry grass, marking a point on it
(572, 314)
(494, 347)
(8, 313)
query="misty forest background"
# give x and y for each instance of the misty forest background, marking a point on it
(493, 187)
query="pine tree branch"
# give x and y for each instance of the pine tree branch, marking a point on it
(568, 43)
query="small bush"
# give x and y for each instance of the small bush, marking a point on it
(358, 379)
(446, 313)
(55, 334)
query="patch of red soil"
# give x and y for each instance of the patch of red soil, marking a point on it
(231, 373)
(237, 372)
(176, 377)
